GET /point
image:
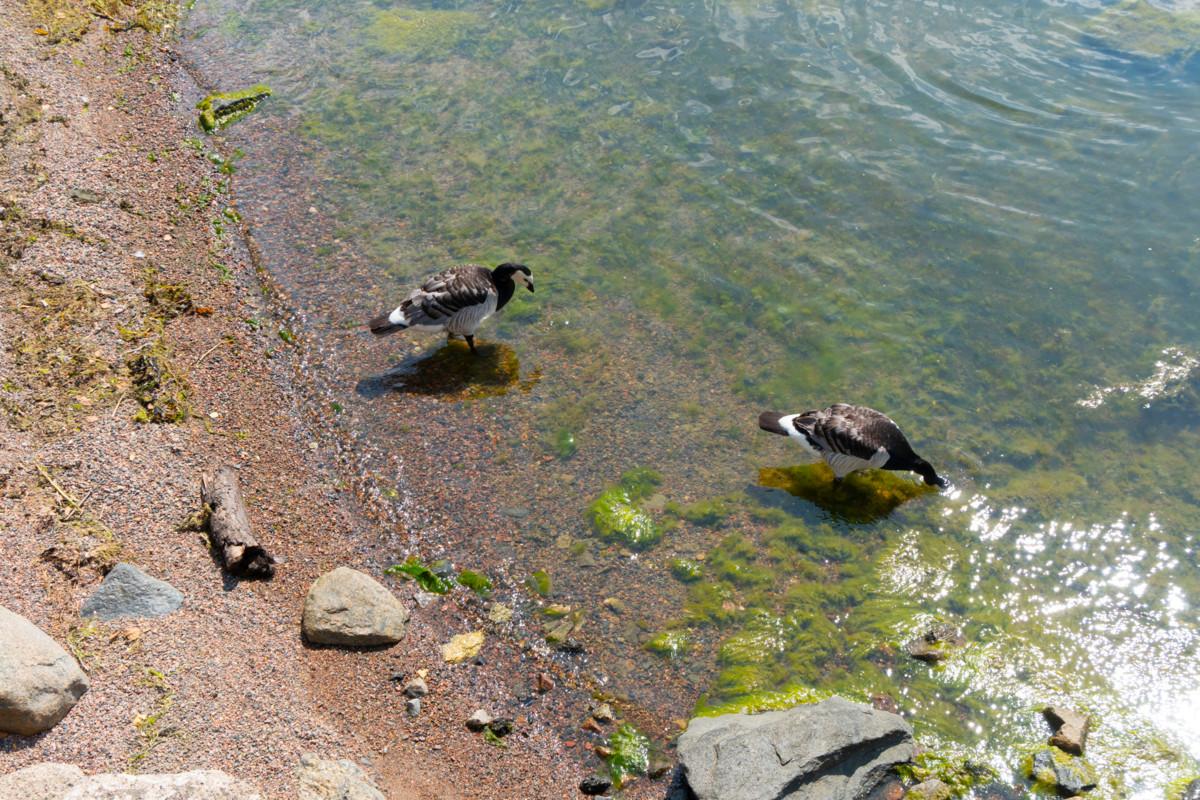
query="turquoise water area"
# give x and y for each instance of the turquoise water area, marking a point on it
(977, 217)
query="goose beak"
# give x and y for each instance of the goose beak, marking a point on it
(529, 284)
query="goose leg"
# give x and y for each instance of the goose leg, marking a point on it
(471, 344)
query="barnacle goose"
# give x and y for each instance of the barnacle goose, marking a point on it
(456, 300)
(850, 438)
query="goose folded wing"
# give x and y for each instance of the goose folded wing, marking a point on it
(446, 294)
(861, 438)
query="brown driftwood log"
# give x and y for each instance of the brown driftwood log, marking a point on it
(229, 526)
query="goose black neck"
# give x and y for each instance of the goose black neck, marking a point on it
(505, 286)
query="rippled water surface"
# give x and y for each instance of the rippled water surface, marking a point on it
(978, 217)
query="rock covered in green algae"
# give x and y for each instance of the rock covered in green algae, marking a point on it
(221, 109)
(669, 643)
(617, 514)
(1052, 769)
(630, 753)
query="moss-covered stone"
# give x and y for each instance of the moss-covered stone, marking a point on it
(669, 643)
(616, 514)
(221, 109)
(630, 753)
(863, 496)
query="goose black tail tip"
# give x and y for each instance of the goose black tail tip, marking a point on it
(382, 324)
(769, 421)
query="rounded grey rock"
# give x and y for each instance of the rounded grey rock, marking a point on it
(39, 681)
(348, 607)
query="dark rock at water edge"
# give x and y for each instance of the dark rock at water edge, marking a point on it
(128, 592)
(832, 750)
(1192, 791)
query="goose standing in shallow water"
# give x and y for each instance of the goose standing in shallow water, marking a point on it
(456, 301)
(850, 438)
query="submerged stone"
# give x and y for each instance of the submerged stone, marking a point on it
(221, 109)
(935, 643)
(1144, 28)
(1053, 769)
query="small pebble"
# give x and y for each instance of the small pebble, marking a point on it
(604, 713)
(416, 688)
(595, 784)
(479, 720)
(413, 706)
(544, 683)
(593, 726)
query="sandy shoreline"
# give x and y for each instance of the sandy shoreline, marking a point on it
(108, 198)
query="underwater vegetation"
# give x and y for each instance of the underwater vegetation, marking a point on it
(863, 496)
(617, 516)
(452, 373)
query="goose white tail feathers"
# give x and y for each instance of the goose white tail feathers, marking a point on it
(770, 421)
(386, 323)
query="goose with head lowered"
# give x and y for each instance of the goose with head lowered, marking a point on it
(456, 300)
(850, 438)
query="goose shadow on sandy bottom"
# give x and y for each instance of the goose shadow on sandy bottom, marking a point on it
(452, 373)
(860, 497)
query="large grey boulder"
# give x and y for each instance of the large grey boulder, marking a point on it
(832, 750)
(128, 592)
(66, 782)
(46, 781)
(347, 607)
(326, 779)
(39, 681)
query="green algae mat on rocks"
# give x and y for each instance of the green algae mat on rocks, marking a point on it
(977, 217)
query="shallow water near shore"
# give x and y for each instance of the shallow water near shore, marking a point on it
(978, 219)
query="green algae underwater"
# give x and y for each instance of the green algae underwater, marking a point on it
(976, 218)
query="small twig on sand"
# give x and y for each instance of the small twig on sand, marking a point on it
(205, 354)
(117, 407)
(45, 473)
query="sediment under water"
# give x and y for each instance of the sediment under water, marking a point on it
(978, 219)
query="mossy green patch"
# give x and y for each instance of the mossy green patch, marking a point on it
(630, 753)
(957, 770)
(706, 513)
(539, 582)
(221, 109)
(452, 373)
(687, 569)
(159, 388)
(769, 700)
(669, 643)
(863, 496)
(616, 514)
(414, 569)
(477, 582)
(425, 32)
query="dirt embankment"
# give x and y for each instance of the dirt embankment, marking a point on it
(138, 349)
